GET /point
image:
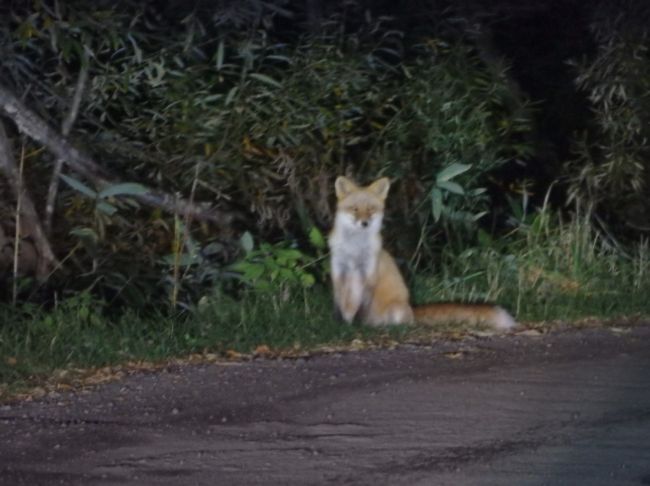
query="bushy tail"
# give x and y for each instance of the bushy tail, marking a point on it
(492, 315)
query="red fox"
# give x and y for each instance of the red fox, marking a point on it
(367, 283)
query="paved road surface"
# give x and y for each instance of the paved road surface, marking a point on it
(569, 408)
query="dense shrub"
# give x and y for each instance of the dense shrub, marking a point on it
(610, 172)
(256, 126)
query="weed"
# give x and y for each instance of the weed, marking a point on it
(79, 333)
(548, 269)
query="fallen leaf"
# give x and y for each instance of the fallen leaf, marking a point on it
(357, 344)
(232, 354)
(529, 332)
(262, 350)
(619, 330)
(483, 333)
(61, 374)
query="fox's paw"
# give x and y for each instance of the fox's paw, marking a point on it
(502, 320)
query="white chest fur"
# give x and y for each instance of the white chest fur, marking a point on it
(354, 249)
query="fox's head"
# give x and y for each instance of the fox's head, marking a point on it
(361, 207)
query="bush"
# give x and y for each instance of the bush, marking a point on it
(256, 126)
(610, 171)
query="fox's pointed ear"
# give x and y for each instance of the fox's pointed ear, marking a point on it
(380, 187)
(344, 187)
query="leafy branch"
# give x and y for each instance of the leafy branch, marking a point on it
(30, 124)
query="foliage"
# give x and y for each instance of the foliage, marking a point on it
(214, 101)
(549, 269)
(459, 112)
(273, 267)
(192, 105)
(611, 168)
(81, 332)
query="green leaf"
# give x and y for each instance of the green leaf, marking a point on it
(246, 242)
(436, 203)
(220, 53)
(231, 94)
(478, 216)
(265, 79)
(124, 189)
(183, 260)
(253, 272)
(484, 239)
(307, 279)
(316, 238)
(451, 171)
(85, 234)
(277, 57)
(79, 186)
(213, 248)
(451, 187)
(287, 255)
(136, 48)
(106, 208)
(285, 275)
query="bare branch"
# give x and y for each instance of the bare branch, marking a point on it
(66, 126)
(33, 126)
(17, 233)
(32, 224)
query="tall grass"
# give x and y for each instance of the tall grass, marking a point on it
(80, 332)
(548, 269)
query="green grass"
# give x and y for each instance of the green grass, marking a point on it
(547, 271)
(77, 333)
(541, 272)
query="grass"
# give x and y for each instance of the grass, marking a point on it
(547, 271)
(543, 272)
(78, 333)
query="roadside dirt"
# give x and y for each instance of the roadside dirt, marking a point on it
(566, 408)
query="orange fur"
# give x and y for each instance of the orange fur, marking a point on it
(473, 314)
(366, 280)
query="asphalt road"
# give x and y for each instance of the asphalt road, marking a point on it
(567, 408)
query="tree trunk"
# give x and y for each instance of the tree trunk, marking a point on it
(28, 217)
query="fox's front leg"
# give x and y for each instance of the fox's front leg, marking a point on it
(348, 294)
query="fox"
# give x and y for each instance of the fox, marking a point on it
(367, 283)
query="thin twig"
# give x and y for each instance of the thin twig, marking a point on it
(178, 248)
(19, 204)
(66, 126)
(188, 217)
(182, 245)
(31, 222)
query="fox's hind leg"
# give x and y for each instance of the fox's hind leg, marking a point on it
(391, 314)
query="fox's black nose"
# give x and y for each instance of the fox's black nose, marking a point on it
(364, 224)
